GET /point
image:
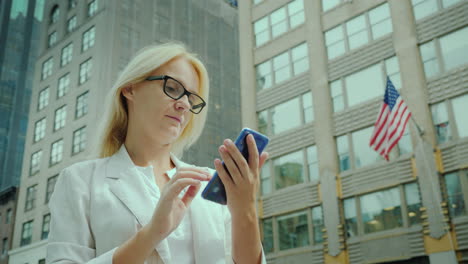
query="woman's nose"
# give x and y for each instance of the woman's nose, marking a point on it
(183, 103)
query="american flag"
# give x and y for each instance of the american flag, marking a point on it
(391, 122)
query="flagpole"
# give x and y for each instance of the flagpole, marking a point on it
(420, 130)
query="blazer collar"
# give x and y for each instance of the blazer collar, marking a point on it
(132, 192)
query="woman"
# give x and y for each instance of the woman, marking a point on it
(139, 203)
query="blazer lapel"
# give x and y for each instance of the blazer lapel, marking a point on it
(126, 185)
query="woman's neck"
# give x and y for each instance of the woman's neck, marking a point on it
(144, 152)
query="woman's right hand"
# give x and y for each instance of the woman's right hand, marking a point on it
(171, 207)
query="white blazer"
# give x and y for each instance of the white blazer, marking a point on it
(99, 204)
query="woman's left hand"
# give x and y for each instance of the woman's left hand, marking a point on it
(242, 186)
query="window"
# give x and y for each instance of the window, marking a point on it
(81, 105)
(85, 71)
(286, 116)
(71, 24)
(8, 216)
(456, 203)
(307, 107)
(45, 226)
(30, 198)
(413, 203)
(459, 105)
(39, 129)
(282, 67)
(317, 224)
(92, 8)
(289, 170)
(279, 22)
(63, 85)
(381, 210)
(262, 120)
(71, 4)
(293, 230)
(329, 4)
(60, 117)
(88, 39)
(4, 246)
(349, 91)
(267, 238)
(441, 122)
(360, 30)
(448, 127)
(265, 178)
(312, 163)
(363, 154)
(47, 68)
(50, 187)
(342, 146)
(52, 39)
(56, 152)
(67, 54)
(424, 8)
(442, 54)
(43, 98)
(54, 15)
(35, 162)
(79, 140)
(350, 215)
(26, 233)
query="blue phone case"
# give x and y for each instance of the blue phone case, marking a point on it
(215, 191)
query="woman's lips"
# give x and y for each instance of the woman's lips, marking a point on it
(173, 117)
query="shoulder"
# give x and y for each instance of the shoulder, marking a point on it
(82, 171)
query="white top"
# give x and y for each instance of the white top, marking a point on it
(181, 239)
(97, 205)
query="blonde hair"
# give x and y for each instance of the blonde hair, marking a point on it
(148, 59)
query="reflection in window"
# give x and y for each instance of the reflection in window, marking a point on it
(45, 226)
(451, 46)
(88, 39)
(278, 22)
(343, 152)
(413, 202)
(350, 215)
(52, 39)
(63, 85)
(79, 140)
(337, 95)
(56, 152)
(441, 122)
(67, 54)
(43, 99)
(334, 39)
(81, 105)
(456, 204)
(85, 71)
(54, 16)
(460, 107)
(286, 116)
(363, 154)
(357, 33)
(289, 170)
(293, 231)
(307, 107)
(381, 23)
(261, 31)
(47, 68)
(300, 59)
(312, 162)
(265, 175)
(264, 75)
(35, 162)
(262, 122)
(317, 224)
(374, 85)
(381, 210)
(393, 71)
(26, 233)
(424, 8)
(281, 67)
(267, 240)
(429, 58)
(30, 198)
(329, 4)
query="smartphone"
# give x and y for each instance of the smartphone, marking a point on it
(215, 191)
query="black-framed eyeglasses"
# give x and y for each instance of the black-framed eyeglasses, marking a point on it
(175, 90)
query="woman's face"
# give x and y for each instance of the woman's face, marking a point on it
(155, 114)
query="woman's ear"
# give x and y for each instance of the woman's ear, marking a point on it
(128, 92)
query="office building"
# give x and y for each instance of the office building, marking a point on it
(313, 76)
(19, 31)
(83, 46)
